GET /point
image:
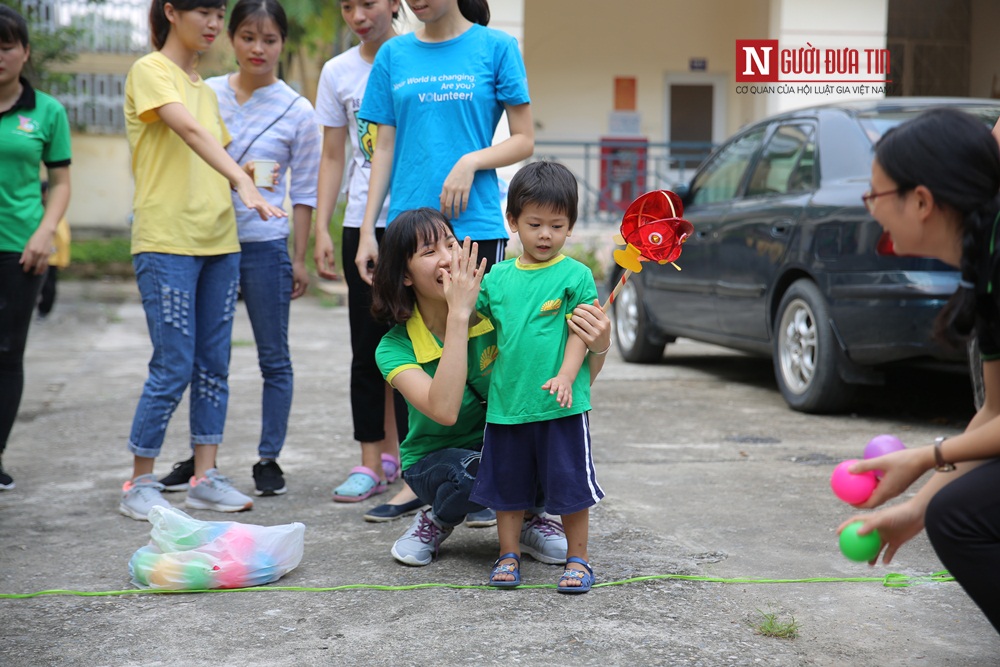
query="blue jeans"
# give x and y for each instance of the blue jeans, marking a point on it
(266, 284)
(443, 479)
(189, 303)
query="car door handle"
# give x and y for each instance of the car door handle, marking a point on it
(781, 228)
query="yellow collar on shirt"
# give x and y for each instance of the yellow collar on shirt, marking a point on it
(425, 345)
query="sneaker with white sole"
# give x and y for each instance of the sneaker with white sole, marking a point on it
(6, 481)
(140, 495)
(544, 540)
(179, 478)
(484, 518)
(215, 491)
(268, 479)
(420, 544)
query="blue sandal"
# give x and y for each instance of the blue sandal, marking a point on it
(585, 577)
(361, 484)
(509, 568)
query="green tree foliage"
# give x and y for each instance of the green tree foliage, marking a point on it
(316, 31)
(48, 45)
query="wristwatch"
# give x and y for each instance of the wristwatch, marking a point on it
(941, 466)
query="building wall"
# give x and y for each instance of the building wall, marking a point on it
(574, 49)
(101, 180)
(984, 74)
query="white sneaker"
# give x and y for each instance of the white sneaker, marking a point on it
(214, 491)
(141, 495)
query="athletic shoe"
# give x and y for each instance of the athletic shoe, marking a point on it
(268, 479)
(484, 518)
(389, 512)
(420, 544)
(544, 540)
(214, 491)
(141, 495)
(6, 481)
(179, 478)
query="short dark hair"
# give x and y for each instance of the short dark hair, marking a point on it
(543, 183)
(159, 26)
(258, 10)
(393, 301)
(13, 27)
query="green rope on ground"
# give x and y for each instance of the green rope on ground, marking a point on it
(891, 580)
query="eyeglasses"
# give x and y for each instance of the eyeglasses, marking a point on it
(869, 198)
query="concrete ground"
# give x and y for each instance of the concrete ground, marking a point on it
(708, 475)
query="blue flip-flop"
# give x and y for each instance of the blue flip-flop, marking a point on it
(509, 568)
(586, 578)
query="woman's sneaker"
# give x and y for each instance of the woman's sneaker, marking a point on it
(214, 491)
(484, 518)
(420, 544)
(544, 540)
(179, 478)
(141, 495)
(6, 481)
(268, 479)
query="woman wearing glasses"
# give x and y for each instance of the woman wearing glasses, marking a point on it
(934, 188)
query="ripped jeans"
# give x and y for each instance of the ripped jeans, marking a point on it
(189, 303)
(443, 479)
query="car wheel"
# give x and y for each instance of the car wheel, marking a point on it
(806, 354)
(633, 334)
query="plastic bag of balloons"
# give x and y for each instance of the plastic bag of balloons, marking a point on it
(187, 554)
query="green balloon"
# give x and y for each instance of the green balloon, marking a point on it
(859, 548)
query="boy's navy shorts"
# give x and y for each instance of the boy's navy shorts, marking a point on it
(554, 456)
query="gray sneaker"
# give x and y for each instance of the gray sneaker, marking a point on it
(544, 540)
(420, 544)
(141, 495)
(214, 491)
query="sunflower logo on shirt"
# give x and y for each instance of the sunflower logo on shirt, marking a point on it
(488, 356)
(26, 124)
(551, 307)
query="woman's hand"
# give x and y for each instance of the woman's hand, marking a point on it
(253, 199)
(323, 255)
(899, 470)
(35, 258)
(457, 186)
(462, 281)
(366, 257)
(300, 279)
(592, 325)
(896, 526)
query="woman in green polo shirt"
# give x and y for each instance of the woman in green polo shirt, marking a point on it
(33, 131)
(440, 356)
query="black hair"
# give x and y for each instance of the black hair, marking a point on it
(477, 11)
(956, 157)
(547, 184)
(159, 26)
(258, 10)
(13, 27)
(392, 301)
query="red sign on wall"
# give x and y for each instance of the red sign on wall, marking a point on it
(756, 60)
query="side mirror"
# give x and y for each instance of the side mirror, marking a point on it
(682, 190)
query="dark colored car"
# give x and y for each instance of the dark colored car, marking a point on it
(786, 261)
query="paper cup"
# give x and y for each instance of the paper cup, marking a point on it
(263, 173)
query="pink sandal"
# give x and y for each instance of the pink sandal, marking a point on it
(361, 484)
(391, 468)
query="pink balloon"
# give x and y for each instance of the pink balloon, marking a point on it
(852, 489)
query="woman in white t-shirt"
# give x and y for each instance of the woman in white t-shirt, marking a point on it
(338, 100)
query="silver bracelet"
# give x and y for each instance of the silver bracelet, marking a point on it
(605, 351)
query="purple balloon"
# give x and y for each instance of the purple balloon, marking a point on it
(881, 445)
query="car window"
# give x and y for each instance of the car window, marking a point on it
(721, 177)
(787, 165)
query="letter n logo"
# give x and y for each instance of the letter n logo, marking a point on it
(756, 60)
